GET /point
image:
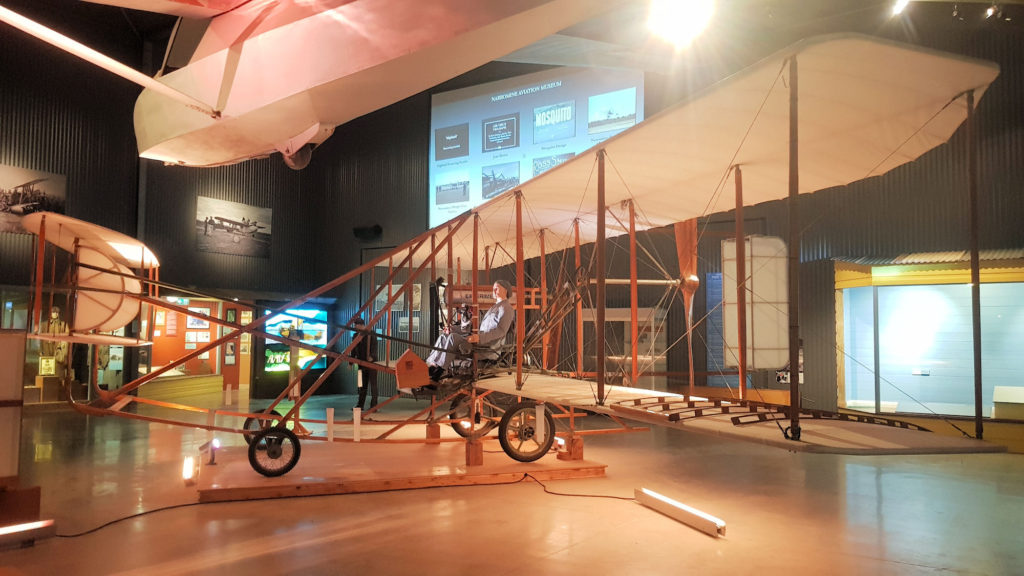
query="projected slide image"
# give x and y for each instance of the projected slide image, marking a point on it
(501, 132)
(451, 142)
(498, 178)
(519, 127)
(555, 122)
(612, 111)
(542, 165)
(452, 192)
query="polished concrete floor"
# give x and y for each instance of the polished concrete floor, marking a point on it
(113, 485)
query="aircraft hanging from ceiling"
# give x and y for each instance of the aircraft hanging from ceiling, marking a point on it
(264, 76)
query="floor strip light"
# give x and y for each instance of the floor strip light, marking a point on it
(680, 512)
(25, 532)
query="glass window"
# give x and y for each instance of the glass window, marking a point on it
(859, 352)
(926, 350)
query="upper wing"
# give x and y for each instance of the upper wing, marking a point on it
(866, 106)
(185, 8)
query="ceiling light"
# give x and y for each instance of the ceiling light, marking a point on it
(899, 6)
(679, 21)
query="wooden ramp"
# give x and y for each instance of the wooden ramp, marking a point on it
(348, 468)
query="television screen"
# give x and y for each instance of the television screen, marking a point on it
(488, 139)
(307, 325)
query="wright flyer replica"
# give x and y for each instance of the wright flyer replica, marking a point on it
(825, 112)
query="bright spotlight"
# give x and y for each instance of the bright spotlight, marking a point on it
(188, 471)
(899, 6)
(680, 21)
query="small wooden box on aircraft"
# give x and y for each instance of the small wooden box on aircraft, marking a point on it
(411, 371)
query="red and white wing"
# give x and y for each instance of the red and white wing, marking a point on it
(185, 8)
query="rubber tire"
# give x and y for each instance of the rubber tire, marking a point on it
(485, 425)
(253, 425)
(271, 445)
(520, 418)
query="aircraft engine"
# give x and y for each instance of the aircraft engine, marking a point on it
(300, 159)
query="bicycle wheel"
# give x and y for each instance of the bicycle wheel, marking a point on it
(486, 417)
(519, 434)
(274, 451)
(253, 425)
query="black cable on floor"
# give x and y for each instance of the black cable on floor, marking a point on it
(116, 520)
(546, 490)
(188, 504)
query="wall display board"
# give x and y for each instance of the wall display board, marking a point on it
(232, 228)
(488, 139)
(308, 325)
(26, 191)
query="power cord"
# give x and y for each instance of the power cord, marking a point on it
(123, 518)
(189, 504)
(548, 491)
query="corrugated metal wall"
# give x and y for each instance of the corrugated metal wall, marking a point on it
(59, 115)
(170, 230)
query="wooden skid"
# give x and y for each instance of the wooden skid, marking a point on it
(677, 409)
(349, 468)
(781, 413)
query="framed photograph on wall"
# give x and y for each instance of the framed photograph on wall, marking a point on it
(160, 318)
(193, 323)
(230, 315)
(382, 299)
(24, 191)
(232, 228)
(229, 354)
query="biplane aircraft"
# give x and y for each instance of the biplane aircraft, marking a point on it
(23, 198)
(245, 227)
(824, 112)
(246, 79)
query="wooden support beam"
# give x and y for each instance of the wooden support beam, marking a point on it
(599, 247)
(475, 286)
(520, 291)
(579, 304)
(794, 255)
(546, 337)
(741, 282)
(972, 193)
(634, 335)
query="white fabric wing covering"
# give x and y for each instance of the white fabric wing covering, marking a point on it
(866, 106)
(103, 300)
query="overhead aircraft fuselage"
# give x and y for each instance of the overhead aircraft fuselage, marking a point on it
(284, 73)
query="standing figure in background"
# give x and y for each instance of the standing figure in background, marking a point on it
(56, 326)
(366, 349)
